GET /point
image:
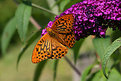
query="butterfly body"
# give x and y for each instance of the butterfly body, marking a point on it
(54, 35)
(53, 43)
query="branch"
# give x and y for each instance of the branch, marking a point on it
(39, 7)
(73, 66)
(34, 22)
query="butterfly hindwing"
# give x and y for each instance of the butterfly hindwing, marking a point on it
(64, 28)
(42, 49)
(68, 39)
(63, 24)
(58, 50)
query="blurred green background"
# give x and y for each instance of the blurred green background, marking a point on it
(26, 69)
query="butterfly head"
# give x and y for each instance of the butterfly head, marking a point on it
(48, 29)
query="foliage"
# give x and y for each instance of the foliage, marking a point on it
(22, 16)
(105, 48)
(7, 34)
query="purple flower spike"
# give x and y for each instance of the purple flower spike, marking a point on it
(93, 17)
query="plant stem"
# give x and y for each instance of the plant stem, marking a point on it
(73, 66)
(39, 7)
(34, 22)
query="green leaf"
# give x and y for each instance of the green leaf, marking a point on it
(22, 15)
(28, 1)
(57, 3)
(76, 49)
(114, 76)
(71, 3)
(38, 70)
(109, 51)
(55, 8)
(101, 44)
(30, 41)
(8, 32)
(63, 4)
(24, 1)
(116, 34)
(55, 69)
(99, 77)
(86, 72)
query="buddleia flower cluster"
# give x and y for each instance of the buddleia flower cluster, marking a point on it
(93, 17)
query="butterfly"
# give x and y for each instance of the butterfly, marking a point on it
(53, 45)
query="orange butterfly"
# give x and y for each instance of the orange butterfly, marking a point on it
(53, 43)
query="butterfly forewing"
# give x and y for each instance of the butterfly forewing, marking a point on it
(63, 24)
(48, 47)
(64, 28)
(42, 49)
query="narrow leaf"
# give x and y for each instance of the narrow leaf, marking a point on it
(55, 8)
(8, 32)
(109, 51)
(27, 1)
(38, 70)
(114, 76)
(30, 41)
(22, 15)
(101, 44)
(55, 69)
(86, 72)
(76, 49)
(98, 77)
(72, 2)
(57, 3)
(116, 34)
(63, 4)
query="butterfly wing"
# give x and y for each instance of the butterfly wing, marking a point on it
(58, 50)
(68, 39)
(42, 49)
(63, 24)
(48, 47)
(63, 27)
